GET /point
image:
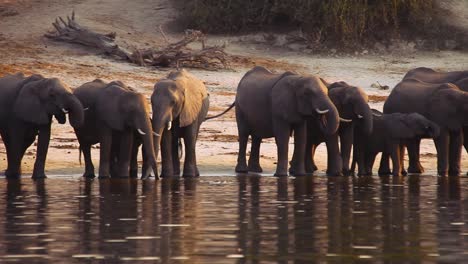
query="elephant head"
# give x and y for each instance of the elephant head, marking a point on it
(296, 97)
(40, 98)
(125, 108)
(352, 105)
(411, 125)
(177, 99)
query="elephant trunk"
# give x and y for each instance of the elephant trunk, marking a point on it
(366, 119)
(328, 116)
(75, 110)
(146, 132)
(160, 123)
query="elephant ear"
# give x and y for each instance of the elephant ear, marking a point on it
(28, 105)
(307, 89)
(109, 106)
(194, 92)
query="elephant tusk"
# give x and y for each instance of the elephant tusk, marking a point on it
(86, 109)
(169, 125)
(156, 134)
(322, 111)
(375, 114)
(360, 116)
(65, 111)
(345, 120)
(141, 132)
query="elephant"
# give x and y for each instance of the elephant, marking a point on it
(387, 135)
(180, 104)
(355, 117)
(117, 117)
(275, 105)
(447, 106)
(27, 105)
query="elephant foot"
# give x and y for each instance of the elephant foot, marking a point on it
(280, 174)
(241, 168)
(12, 175)
(442, 173)
(255, 168)
(191, 175)
(38, 175)
(417, 169)
(347, 172)
(294, 172)
(104, 176)
(168, 174)
(89, 175)
(397, 174)
(134, 173)
(454, 173)
(332, 173)
(384, 172)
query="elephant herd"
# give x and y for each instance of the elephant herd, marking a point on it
(425, 104)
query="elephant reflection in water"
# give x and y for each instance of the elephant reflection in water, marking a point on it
(116, 117)
(27, 105)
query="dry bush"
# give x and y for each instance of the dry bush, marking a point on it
(338, 21)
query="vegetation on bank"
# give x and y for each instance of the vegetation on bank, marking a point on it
(347, 22)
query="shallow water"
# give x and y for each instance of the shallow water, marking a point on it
(244, 219)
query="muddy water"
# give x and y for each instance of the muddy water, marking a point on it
(245, 219)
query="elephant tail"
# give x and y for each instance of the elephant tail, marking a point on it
(225, 111)
(79, 155)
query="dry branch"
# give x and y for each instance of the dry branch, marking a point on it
(173, 55)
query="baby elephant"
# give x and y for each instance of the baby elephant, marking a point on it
(388, 136)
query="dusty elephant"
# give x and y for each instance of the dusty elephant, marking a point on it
(275, 105)
(388, 133)
(180, 104)
(116, 116)
(447, 106)
(27, 105)
(355, 117)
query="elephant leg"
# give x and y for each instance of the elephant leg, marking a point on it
(41, 153)
(309, 162)
(282, 130)
(455, 151)
(370, 159)
(190, 162)
(346, 139)
(395, 153)
(15, 151)
(105, 140)
(442, 146)
(254, 159)
(465, 142)
(413, 154)
(124, 154)
(384, 168)
(335, 164)
(175, 152)
(297, 166)
(167, 165)
(89, 166)
(402, 159)
(134, 158)
(243, 132)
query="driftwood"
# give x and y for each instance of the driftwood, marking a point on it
(176, 54)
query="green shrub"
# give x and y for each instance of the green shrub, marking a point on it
(340, 21)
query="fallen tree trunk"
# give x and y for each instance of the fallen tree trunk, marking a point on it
(176, 54)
